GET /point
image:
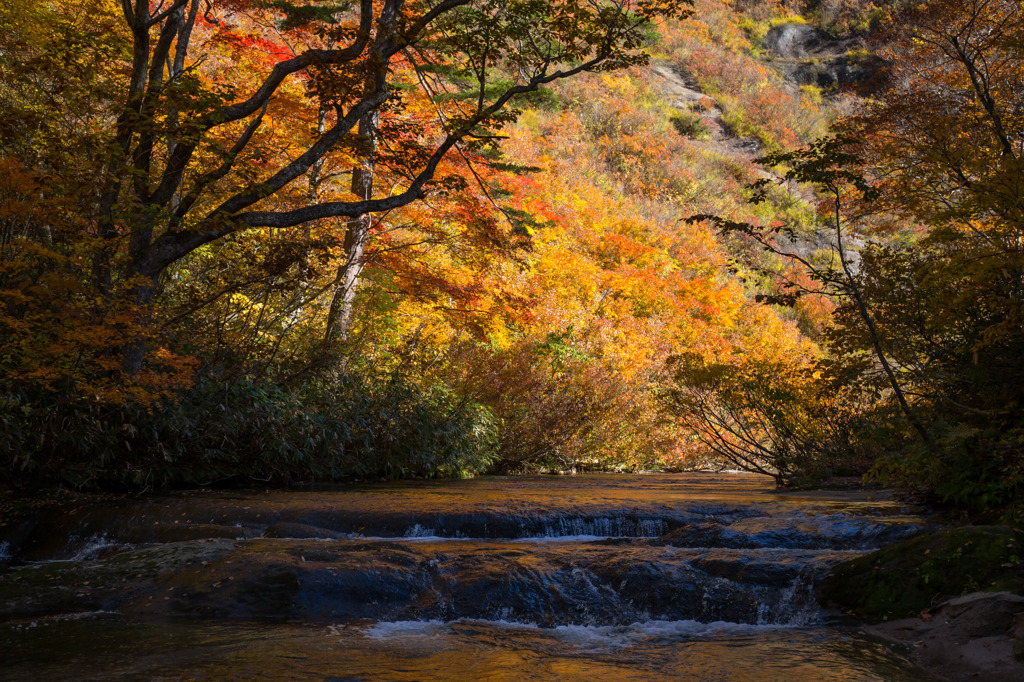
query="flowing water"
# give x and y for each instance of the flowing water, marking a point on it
(696, 576)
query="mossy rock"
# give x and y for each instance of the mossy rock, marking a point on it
(911, 576)
(109, 583)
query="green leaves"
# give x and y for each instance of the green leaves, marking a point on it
(303, 15)
(380, 427)
(828, 163)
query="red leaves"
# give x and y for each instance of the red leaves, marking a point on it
(236, 41)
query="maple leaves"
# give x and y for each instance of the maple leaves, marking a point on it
(762, 405)
(56, 335)
(957, 169)
(615, 286)
(467, 59)
(533, 265)
(212, 111)
(962, 160)
(922, 195)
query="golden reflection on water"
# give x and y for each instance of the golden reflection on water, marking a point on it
(464, 650)
(113, 647)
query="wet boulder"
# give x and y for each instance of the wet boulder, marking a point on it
(755, 569)
(706, 534)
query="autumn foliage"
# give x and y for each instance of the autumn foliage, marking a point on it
(304, 241)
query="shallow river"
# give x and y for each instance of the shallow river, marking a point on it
(698, 576)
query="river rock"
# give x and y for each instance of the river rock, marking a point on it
(975, 636)
(693, 535)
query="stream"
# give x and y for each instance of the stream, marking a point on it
(595, 577)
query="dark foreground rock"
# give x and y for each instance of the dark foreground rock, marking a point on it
(350, 580)
(953, 597)
(976, 636)
(826, 531)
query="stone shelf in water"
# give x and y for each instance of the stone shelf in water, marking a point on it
(666, 571)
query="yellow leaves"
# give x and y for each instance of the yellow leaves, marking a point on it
(619, 82)
(568, 272)
(634, 288)
(240, 300)
(498, 334)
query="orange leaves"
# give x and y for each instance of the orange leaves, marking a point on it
(55, 336)
(941, 136)
(617, 249)
(57, 332)
(628, 284)
(236, 42)
(564, 304)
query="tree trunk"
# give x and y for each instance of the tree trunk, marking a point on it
(133, 353)
(339, 318)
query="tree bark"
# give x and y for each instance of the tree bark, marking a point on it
(340, 314)
(339, 317)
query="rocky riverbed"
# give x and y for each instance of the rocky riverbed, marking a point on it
(597, 576)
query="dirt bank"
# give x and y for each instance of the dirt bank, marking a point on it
(979, 636)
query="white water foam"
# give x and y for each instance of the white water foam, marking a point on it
(5, 551)
(459, 538)
(582, 636)
(796, 605)
(92, 547)
(81, 615)
(418, 531)
(605, 636)
(563, 528)
(765, 552)
(579, 538)
(420, 534)
(408, 538)
(47, 621)
(405, 628)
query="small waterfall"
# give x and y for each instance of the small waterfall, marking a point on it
(418, 531)
(635, 553)
(600, 527)
(664, 577)
(91, 547)
(529, 527)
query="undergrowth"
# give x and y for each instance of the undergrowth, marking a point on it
(353, 427)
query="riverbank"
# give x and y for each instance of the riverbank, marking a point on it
(975, 636)
(952, 598)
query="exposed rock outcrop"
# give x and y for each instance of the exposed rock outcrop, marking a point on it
(808, 56)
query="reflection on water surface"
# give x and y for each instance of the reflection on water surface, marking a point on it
(107, 648)
(703, 577)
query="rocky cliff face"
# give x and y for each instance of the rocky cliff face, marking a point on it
(808, 56)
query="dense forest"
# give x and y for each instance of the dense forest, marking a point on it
(315, 240)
